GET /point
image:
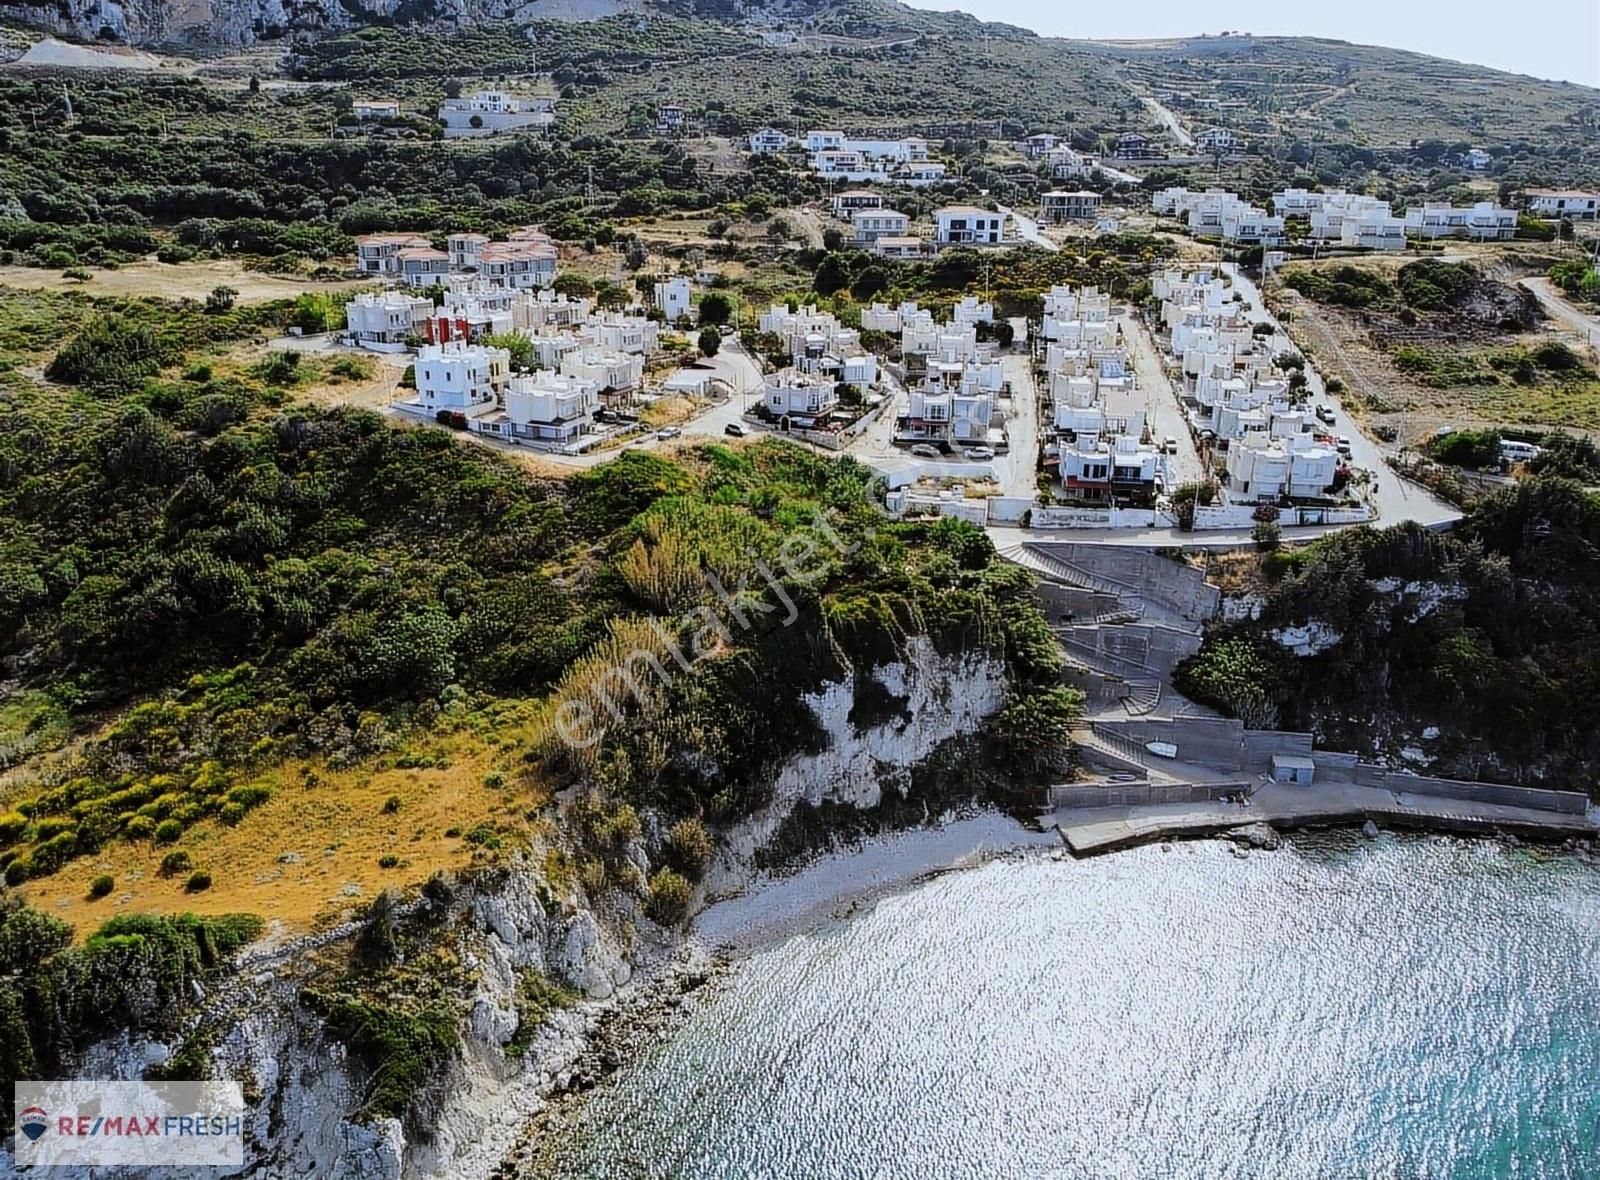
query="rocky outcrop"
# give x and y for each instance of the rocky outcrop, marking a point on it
(305, 1092)
(239, 23)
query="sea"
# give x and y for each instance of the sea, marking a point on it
(1339, 1009)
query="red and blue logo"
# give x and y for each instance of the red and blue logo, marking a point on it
(33, 1121)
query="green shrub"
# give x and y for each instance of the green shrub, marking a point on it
(12, 825)
(388, 861)
(689, 846)
(102, 885)
(670, 894)
(401, 1050)
(168, 831)
(391, 805)
(199, 881)
(175, 862)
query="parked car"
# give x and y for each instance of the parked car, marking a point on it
(1169, 446)
(927, 451)
(1325, 414)
(1344, 445)
(736, 429)
(980, 453)
(668, 432)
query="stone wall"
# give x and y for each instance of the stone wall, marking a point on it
(1172, 585)
(1140, 794)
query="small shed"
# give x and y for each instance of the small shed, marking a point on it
(1293, 768)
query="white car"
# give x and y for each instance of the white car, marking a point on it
(981, 453)
(668, 432)
(927, 451)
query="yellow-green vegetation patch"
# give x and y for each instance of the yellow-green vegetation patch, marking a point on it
(1537, 384)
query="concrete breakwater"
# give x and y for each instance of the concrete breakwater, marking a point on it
(1088, 830)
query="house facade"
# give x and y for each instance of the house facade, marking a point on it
(378, 254)
(490, 112)
(769, 141)
(1578, 205)
(868, 225)
(386, 317)
(967, 225)
(1059, 207)
(1483, 221)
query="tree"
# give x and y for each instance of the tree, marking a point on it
(573, 285)
(716, 309)
(520, 347)
(871, 281)
(832, 239)
(221, 299)
(1004, 334)
(710, 342)
(637, 255)
(831, 276)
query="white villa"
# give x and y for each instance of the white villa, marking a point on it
(768, 142)
(672, 297)
(546, 407)
(1264, 467)
(967, 225)
(367, 109)
(1578, 205)
(489, 112)
(518, 264)
(386, 318)
(460, 377)
(799, 398)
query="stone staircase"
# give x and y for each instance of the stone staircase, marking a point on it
(1144, 697)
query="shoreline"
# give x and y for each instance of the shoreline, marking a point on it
(837, 885)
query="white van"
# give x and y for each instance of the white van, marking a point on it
(1518, 452)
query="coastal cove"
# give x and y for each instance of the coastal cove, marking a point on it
(1402, 1006)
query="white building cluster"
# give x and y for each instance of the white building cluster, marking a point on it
(1343, 218)
(955, 400)
(824, 353)
(1097, 428)
(1275, 445)
(887, 161)
(526, 259)
(1219, 214)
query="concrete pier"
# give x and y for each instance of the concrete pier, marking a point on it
(1091, 830)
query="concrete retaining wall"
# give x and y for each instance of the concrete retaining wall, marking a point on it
(1216, 741)
(1139, 794)
(1178, 587)
(1498, 794)
(1063, 604)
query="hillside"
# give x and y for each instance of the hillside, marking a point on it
(873, 63)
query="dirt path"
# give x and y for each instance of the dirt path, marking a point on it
(185, 280)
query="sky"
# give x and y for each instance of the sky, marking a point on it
(1551, 39)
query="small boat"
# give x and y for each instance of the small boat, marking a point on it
(1162, 749)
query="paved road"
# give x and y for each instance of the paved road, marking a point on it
(1558, 308)
(1397, 499)
(1018, 467)
(1167, 419)
(1028, 230)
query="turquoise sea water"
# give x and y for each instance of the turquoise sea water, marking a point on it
(1410, 1008)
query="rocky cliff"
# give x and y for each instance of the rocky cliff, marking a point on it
(304, 1086)
(240, 23)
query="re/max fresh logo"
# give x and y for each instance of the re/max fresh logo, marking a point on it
(89, 1123)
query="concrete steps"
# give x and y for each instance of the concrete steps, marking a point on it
(1143, 698)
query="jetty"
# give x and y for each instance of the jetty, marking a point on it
(1156, 766)
(1089, 830)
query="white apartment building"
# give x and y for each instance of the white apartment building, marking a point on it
(619, 332)
(972, 310)
(1061, 206)
(954, 416)
(671, 119)
(386, 318)
(1101, 469)
(868, 225)
(1484, 220)
(1067, 164)
(604, 368)
(920, 172)
(367, 109)
(672, 298)
(768, 142)
(1217, 139)
(461, 377)
(536, 312)
(880, 317)
(1573, 203)
(546, 407)
(1040, 145)
(1261, 467)
(464, 250)
(967, 225)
